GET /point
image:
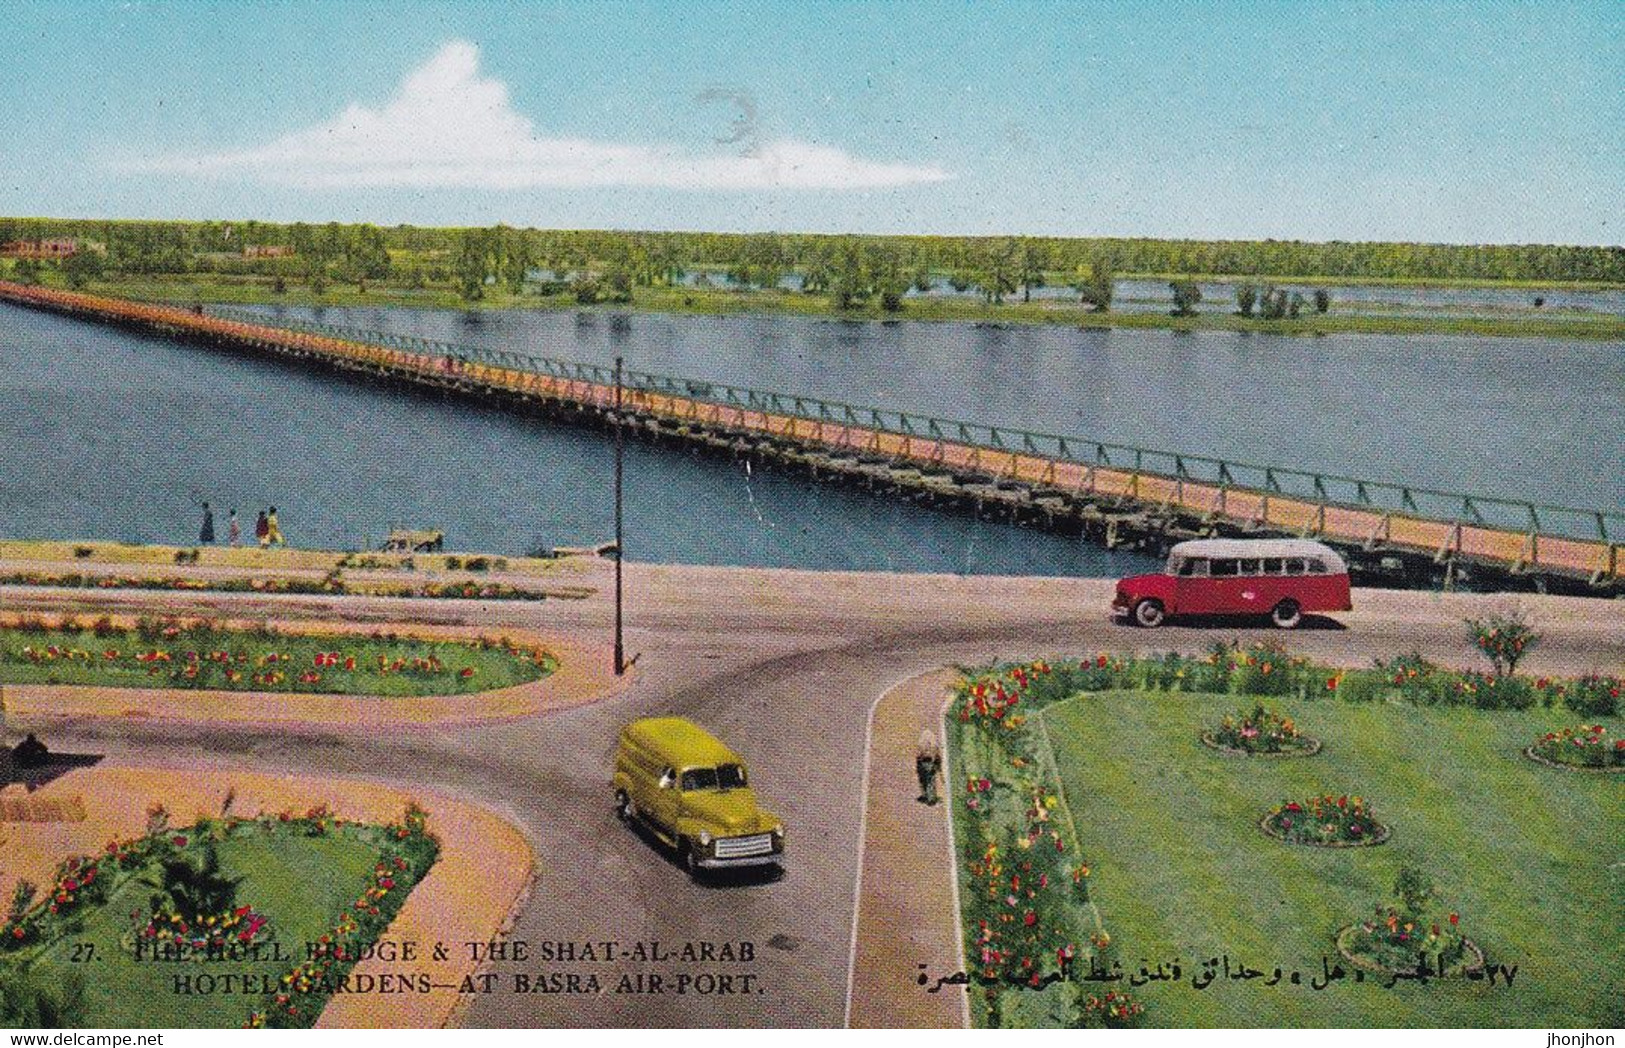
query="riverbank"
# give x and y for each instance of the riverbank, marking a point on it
(723, 302)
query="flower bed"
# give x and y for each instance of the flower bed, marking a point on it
(196, 918)
(1583, 748)
(1329, 821)
(1407, 936)
(1265, 669)
(1260, 732)
(1028, 922)
(1359, 948)
(203, 655)
(331, 584)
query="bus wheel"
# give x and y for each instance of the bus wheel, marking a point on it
(623, 806)
(1287, 615)
(1149, 613)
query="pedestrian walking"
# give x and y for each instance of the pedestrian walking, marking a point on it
(205, 535)
(262, 530)
(234, 531)
(273, 529)
(928, 765)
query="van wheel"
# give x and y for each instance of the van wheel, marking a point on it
(1149, 613)
(624, 809)
(1287, 615)
(691, 860)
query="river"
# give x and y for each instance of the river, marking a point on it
(112, 435)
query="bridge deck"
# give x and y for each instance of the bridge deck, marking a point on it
(1530, 550)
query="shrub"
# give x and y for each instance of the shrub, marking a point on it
(1362, 686)
(1114, 1009)
(194, 891)
(1414, 677)
(1262, 677)
(1489, 692)
(1504, 639)
(1592, 695)
(1409, 933)
(1170, 672)
(104, 628)
(22, 897)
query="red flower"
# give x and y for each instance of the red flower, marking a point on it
(1100, 662)
(179, 842)
(1029, 918)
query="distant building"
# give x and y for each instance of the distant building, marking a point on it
(49, 249)
(267, 251)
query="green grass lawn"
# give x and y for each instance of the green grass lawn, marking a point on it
(300, 883)
(1530, 856)
(241, 660)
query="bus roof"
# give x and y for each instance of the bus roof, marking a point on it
(682, 743)
(1240, 548)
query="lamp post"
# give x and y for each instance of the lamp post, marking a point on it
(620, 549)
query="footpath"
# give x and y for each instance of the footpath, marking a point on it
(906, 928)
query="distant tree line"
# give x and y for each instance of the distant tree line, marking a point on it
(853, 270)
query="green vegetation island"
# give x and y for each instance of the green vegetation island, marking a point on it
(1278, 287)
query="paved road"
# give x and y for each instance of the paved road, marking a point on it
(784, 665)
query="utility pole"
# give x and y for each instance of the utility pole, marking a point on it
(620, 549)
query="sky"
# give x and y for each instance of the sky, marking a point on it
(1487, 122)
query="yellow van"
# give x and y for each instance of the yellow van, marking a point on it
(692, 792)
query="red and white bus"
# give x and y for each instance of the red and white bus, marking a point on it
(1281, 578)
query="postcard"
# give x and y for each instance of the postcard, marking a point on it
(839, 516)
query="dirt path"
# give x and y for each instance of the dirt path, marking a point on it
(906, 926)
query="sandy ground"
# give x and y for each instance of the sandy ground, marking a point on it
(784, 666)
(485, 863)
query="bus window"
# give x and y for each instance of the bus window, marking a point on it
(1193, 567)
(1225, 568)
(1273, 566)
(1294, 566)
(1249, 567)
(1317, 566)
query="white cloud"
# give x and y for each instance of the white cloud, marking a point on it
(450, 127)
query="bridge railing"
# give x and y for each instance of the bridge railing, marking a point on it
(1331, 489)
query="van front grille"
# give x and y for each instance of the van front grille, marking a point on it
(743, 847)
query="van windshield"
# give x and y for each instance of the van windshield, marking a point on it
(726, 777)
